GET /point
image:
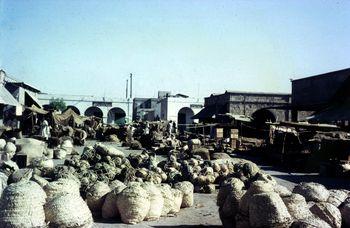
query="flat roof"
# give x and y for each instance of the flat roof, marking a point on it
(328, 74)
(251, 93)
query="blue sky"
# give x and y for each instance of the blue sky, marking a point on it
(191, 47)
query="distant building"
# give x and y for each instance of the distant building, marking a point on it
(143, 108)
(263, 106)
(325, 95)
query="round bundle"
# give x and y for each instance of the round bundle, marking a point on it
(177, 201)
(297, 206)
(68, 211)
(95, 197)
(3, 182)
(109, 208)
(186, 188)
(168, 197)
(2, 144)
(312, 191)
(21, 205)
(108, 150)
(62, 186)
(133, 204)
(156, 201)
(20, 175)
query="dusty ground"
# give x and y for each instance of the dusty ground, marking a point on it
(205, 212)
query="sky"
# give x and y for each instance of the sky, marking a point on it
(194, 47)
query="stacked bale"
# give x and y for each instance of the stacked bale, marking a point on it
(21, 205)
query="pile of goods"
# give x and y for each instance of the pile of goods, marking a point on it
(261, 202)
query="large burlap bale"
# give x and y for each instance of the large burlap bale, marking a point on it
(67, 145)
(68, 210)
(266, 177)
(10, 148)
(282, 191)
(312, 191)
(62, 186)
(337, 197)
(345, 212)
(328, 213)
(268, 210)
(202, 152)
(297, 206)
(20, 175)
(133, 204)
(108, 150)
(177, 201)
(250, 169)
(168, 197)
(21, 205)
(95, 197)
(3, 182)
(60, 153)
(39, 180)
(311, 222)
(229, 185)
(256, 187)
(31, 147)
(187, 189)
(109, 208)
(231, 206)
(2, 144)
(156, 201)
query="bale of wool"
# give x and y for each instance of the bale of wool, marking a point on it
(312, 191)
(67, 145)
(49, 153)
(194, 143)
(168, 197)
(156, 201)
(62, 186)
(250, 169)
(282, 191)
(2, 144)
(3, 182)
(268, 210)
(60, 153)
(177, 201)
(22, 205)
(10, 148)
(109, 208)
(133, 204)
(216, 156)
(108, 150)
(311, 222)
(208, 188)
(20, 175)
(187, 189)
(229, 185)
(241, 221)
(297, 206)
(32, 148)
(135, 145)
(328, 213)
(345, 212)
(68, 210)
(256, 187)
(113, 138)
(202, 152)
(337, 197)
(95, 197)
(39, 180)
(231, 205)
(266, 177)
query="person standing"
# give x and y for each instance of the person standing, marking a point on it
(45, 130)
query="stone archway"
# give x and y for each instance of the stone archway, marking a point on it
(261, 116)
(184, 117)
(94, 111)
(116, 115)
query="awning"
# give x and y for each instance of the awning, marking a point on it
(31, 100)
(68, 117)
(7, 98)
(206, 113)
(336, 112)
(35, 109)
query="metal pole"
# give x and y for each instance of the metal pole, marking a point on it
(126, 92)
(130, 85)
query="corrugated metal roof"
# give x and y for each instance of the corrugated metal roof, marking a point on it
(6, 97)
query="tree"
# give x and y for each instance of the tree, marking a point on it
(58, 104)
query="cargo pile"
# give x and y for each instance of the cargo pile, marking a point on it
(261, 202)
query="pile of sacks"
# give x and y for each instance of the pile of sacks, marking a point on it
(135, 202)
(262, 202)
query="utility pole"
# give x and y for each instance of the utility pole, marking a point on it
(130, 85)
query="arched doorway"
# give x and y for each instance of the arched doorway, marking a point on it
(261, 116)
(94, 111)
(184, 117)
(75, 109)
(116, 116)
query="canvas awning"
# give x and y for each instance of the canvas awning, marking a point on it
(35, 109)
(32, 100)
(68, 117)
(7, 98)
(206, 113)
(336, 112)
